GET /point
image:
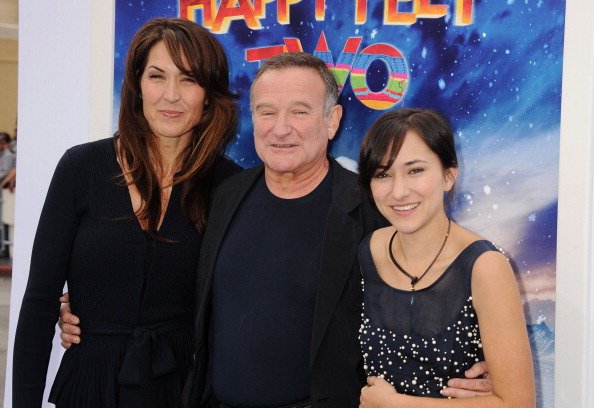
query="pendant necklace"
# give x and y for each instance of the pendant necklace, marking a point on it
(415, 279)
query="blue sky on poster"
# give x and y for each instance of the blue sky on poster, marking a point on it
(497, 79)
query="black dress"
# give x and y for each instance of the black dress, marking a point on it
(134, 295)
(418, 340)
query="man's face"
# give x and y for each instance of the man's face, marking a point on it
(291, 133)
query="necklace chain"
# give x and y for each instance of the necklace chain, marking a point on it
(415, 279)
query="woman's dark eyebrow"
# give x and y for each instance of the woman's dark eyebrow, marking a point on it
(154, 67)
(413, 162)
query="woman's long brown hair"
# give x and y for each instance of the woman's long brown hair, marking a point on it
(207, 64)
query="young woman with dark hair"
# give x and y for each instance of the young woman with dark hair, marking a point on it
(437, 297)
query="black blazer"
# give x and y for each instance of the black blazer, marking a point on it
(336, 363)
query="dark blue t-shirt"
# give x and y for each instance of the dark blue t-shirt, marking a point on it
(264, 292)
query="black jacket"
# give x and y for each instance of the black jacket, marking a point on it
(336, 363)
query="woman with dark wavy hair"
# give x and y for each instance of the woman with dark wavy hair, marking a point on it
(122, 225)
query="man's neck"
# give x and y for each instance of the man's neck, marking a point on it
(296, 185)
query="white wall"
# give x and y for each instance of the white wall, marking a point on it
(573, 358)
(65, 97)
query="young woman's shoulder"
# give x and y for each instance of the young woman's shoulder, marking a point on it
(378, 243)
(463, 237)
(491, 259)
(381, 235)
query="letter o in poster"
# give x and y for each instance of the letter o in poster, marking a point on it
(397, 76)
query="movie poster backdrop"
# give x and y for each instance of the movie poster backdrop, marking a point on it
(493, 67)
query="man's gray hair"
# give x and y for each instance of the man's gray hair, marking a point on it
(301, 60)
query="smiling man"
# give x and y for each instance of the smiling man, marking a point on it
(279, 292)
(293, 123)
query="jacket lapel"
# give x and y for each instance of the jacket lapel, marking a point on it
(341, 240)
(224, 206)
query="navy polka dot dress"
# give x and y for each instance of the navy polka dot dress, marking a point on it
(418, 340)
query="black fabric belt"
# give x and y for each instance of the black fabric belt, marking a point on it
(305, 404)
(147, 356)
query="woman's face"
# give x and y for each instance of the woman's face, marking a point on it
(172, 102)
(410, 193)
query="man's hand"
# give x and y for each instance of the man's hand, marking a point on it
(476, 383)
(377, 393)
(68, 323)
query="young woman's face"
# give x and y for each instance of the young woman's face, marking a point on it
(410, 192)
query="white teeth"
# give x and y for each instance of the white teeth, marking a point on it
(406, 207)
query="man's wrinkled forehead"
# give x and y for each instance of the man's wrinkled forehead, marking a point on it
(289, 72)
